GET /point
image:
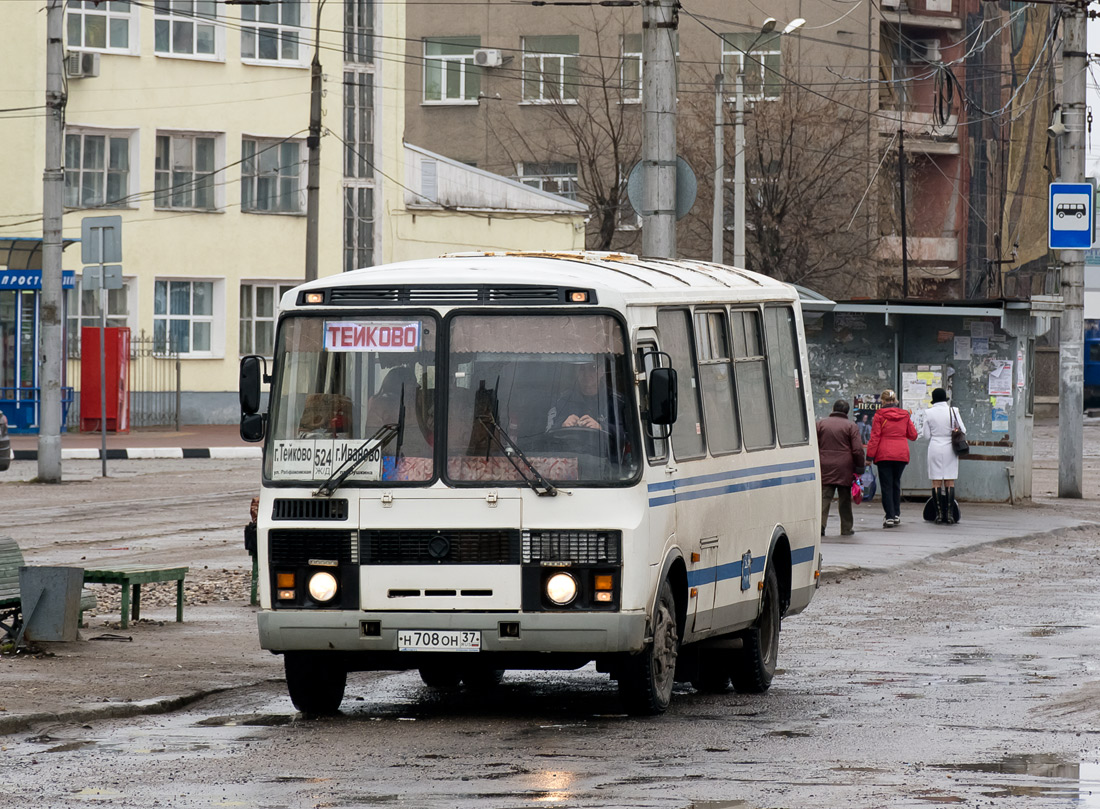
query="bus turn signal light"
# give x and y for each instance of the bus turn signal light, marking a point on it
(603, 582)
(283, 580)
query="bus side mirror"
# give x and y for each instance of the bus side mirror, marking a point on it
(252, 427)
(249, 387)
(662, 395)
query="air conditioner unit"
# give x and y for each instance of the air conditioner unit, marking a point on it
(488, 57)
(926, 50)
(82, 65)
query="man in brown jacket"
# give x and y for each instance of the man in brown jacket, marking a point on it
(842, 458)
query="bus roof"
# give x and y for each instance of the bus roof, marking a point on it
(622, 277)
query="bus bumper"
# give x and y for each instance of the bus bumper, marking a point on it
(582, 633)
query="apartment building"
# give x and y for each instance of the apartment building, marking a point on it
(937, 108)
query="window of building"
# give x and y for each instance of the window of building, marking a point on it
(186, 27)
(554, 177)
(183, 317)
(630, 77)
(271, 176)
(259, 307)
(273, 32)
(712, 349)
(762, 77)
(751, 373)
(450, 75)
(358, 124)
(98, 25)
(185, 167)
(358, 227)
(97, 169)
(550, 69)
(358, 31)
(674, 326)
(83, 311)
(785, 372)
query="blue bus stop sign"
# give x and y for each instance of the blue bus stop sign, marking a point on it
(1072, 216)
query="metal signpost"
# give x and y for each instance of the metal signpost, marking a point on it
(101, 242)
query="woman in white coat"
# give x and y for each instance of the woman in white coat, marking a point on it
(943, 464)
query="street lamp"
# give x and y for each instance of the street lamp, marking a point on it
(766, 28)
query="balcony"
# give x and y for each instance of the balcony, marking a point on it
(941, 14)
(931, 256)
(922, 134)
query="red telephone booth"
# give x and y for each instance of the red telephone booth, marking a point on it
(116, 379)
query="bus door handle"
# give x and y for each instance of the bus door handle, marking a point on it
(670, 469)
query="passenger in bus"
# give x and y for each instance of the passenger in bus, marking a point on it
(841, 452)
(891, 432)
(943, 464)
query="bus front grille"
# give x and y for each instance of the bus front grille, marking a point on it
(312, 509)
(290, 546)
(428, 547)
(576, 547)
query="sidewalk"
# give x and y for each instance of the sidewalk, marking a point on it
(161, 667)
(191, 441)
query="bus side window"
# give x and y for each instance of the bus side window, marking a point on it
(712, 348)
(656, 449)
(786, 376)
(751, 376)
(674, 326)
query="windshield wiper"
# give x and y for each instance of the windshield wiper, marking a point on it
(532, 477)
(378, 441)
(386, 433)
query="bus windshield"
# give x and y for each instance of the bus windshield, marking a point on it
(554, 385)
(344, 380)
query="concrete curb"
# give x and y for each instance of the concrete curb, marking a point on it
(145, 453)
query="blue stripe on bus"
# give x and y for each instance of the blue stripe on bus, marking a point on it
(697, 494)
(732, 570)
(738, 473)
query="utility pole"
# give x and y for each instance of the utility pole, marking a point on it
(1071, 367)
(659, 22)
(718, 225)
(904, 215)
(313, 143)
(739, 166)
(49, 317)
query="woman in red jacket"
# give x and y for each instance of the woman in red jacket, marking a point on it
(891, 432)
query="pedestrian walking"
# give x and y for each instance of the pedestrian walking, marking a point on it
(841, 452)
(943, 464)
(891, 432)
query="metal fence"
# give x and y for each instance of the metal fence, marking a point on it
(154, 384)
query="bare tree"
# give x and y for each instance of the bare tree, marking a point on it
(590, 127)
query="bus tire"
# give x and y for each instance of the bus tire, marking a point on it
(646, 679)
(316, 682)
(754, 663)
(438, 676)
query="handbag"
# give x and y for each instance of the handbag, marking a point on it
(868, 483)
(958, 437)
(857, 490)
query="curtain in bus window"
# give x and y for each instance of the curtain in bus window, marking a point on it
(674, 326)
(786, 376)
(712, 349)
(751, 375)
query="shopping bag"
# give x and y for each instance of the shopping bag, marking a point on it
(868, 483)
(857, 490)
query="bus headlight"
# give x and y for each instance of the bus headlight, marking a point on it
(561, 588)
(322, 586)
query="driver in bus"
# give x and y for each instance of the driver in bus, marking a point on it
(591, 404)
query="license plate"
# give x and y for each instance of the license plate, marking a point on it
(432, 640)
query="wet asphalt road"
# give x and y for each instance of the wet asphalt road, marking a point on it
(971, 681)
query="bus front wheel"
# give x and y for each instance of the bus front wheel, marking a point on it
(754, 663)
(646, 679)
(316, 683)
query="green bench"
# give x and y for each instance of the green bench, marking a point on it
(11, 618)
(131, 577)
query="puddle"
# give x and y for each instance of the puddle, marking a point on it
(1037, 775)
(1050, 631)
(789, 734)
(246, 720)
(716, 805)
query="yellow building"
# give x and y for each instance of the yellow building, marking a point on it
(190, 121)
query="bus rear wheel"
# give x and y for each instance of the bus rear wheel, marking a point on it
(646, 679)
(316, 682)
(754, 663)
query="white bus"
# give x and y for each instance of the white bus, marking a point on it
(485, 462)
